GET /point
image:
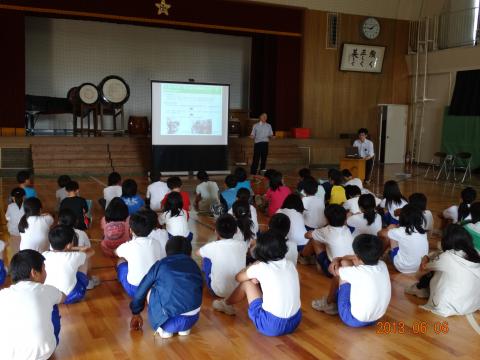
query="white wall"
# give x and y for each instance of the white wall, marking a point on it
(61, 54)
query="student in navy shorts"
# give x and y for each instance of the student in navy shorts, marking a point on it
(271, 287)
(173, 291)
(360, 290)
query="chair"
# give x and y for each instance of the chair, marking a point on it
(438, 159)
(462, 161)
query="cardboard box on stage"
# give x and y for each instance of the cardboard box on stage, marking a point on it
(301, 133)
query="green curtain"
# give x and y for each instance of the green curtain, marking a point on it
(461, 133)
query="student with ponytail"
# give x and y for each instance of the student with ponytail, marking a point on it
(368, 221)
(34, 226)
(473, 227)
(461, 212)
(13, 215)
(246, 229)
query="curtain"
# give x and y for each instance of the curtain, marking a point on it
(466, 95)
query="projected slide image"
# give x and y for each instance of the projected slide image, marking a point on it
(203, 116)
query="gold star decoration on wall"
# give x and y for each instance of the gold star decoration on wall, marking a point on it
(163, 7)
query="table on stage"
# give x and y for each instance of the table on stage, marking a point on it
(356, 166)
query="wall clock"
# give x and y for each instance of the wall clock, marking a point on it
(370, 28)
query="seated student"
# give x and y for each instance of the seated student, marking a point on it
(64, 264)
(293, 208)
(243, 195)
(206, 193)
(332, 241)
(392, 201)
(137, 255)
(353, 193)
(450, 280)
(161, 235)
(271, 287)
(115, 226)
(227, 196)
(113, 190)
(360, 290)
(368, 221)
(67, 217)
(408, 241)
(224, 258)
(420, 200)
(174, 183)
(350, 180)
(461, 212)
(29, 310)
(172, 289)
(61, 192)
(13, 215)
(314, 214)
(242, 179)
(34, 226)
(303, 174)
(473, 227)
(281, 224)
(246, 230)
(174, 217)
(24, 181)
(276, 193)
(337, 192)
(156, 191)
(3, 271)
(129, 196)
(75, 203)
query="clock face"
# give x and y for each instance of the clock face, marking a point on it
(371, 28)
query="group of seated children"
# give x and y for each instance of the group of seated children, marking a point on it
(338, 225)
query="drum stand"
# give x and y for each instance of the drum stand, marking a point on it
(84, 112)
(109, 110)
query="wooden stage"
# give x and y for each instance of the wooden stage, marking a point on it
(98, 328)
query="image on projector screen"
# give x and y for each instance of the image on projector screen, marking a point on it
(201, 117)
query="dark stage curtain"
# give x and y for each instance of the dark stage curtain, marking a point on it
(466, 95)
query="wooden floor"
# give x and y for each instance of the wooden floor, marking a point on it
(98, 328)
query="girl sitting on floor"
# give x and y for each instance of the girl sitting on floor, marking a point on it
(392, 201)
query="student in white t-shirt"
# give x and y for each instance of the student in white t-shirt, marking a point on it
(350, 180)
(206, 193)
(332, 241)
(156, 191)
(246, 230)
(314, 205)
(224, 258)
(392, 201)
(13, 215)
(408, 241)
(174, 217)
(67, 217)
(293, 208)
(64, 263)
(243, 194)
(271, 287)
(420, 201)
(139, 254)
(34, 226)
(281, 224)
(161, 235)
(450, 280)
(368, 221)
(360, 291)
(113, 190)
(29, 310)
(461, 212)
(61, 192)
(352, 193)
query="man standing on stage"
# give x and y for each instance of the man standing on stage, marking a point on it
(365, 151)
(261, 133)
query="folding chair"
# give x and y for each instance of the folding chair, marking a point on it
(438, 159)
(462, 161)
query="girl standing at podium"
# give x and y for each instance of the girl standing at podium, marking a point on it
(365, 151)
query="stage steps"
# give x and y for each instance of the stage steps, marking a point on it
(131, 158)
(86, 159)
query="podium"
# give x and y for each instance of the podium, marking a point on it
(356, 167)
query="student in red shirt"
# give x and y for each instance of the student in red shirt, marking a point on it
(174, 183)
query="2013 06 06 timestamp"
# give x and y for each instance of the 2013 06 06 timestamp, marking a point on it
(417, 327)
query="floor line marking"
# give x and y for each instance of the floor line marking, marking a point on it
(473, 323)
(98, 181)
